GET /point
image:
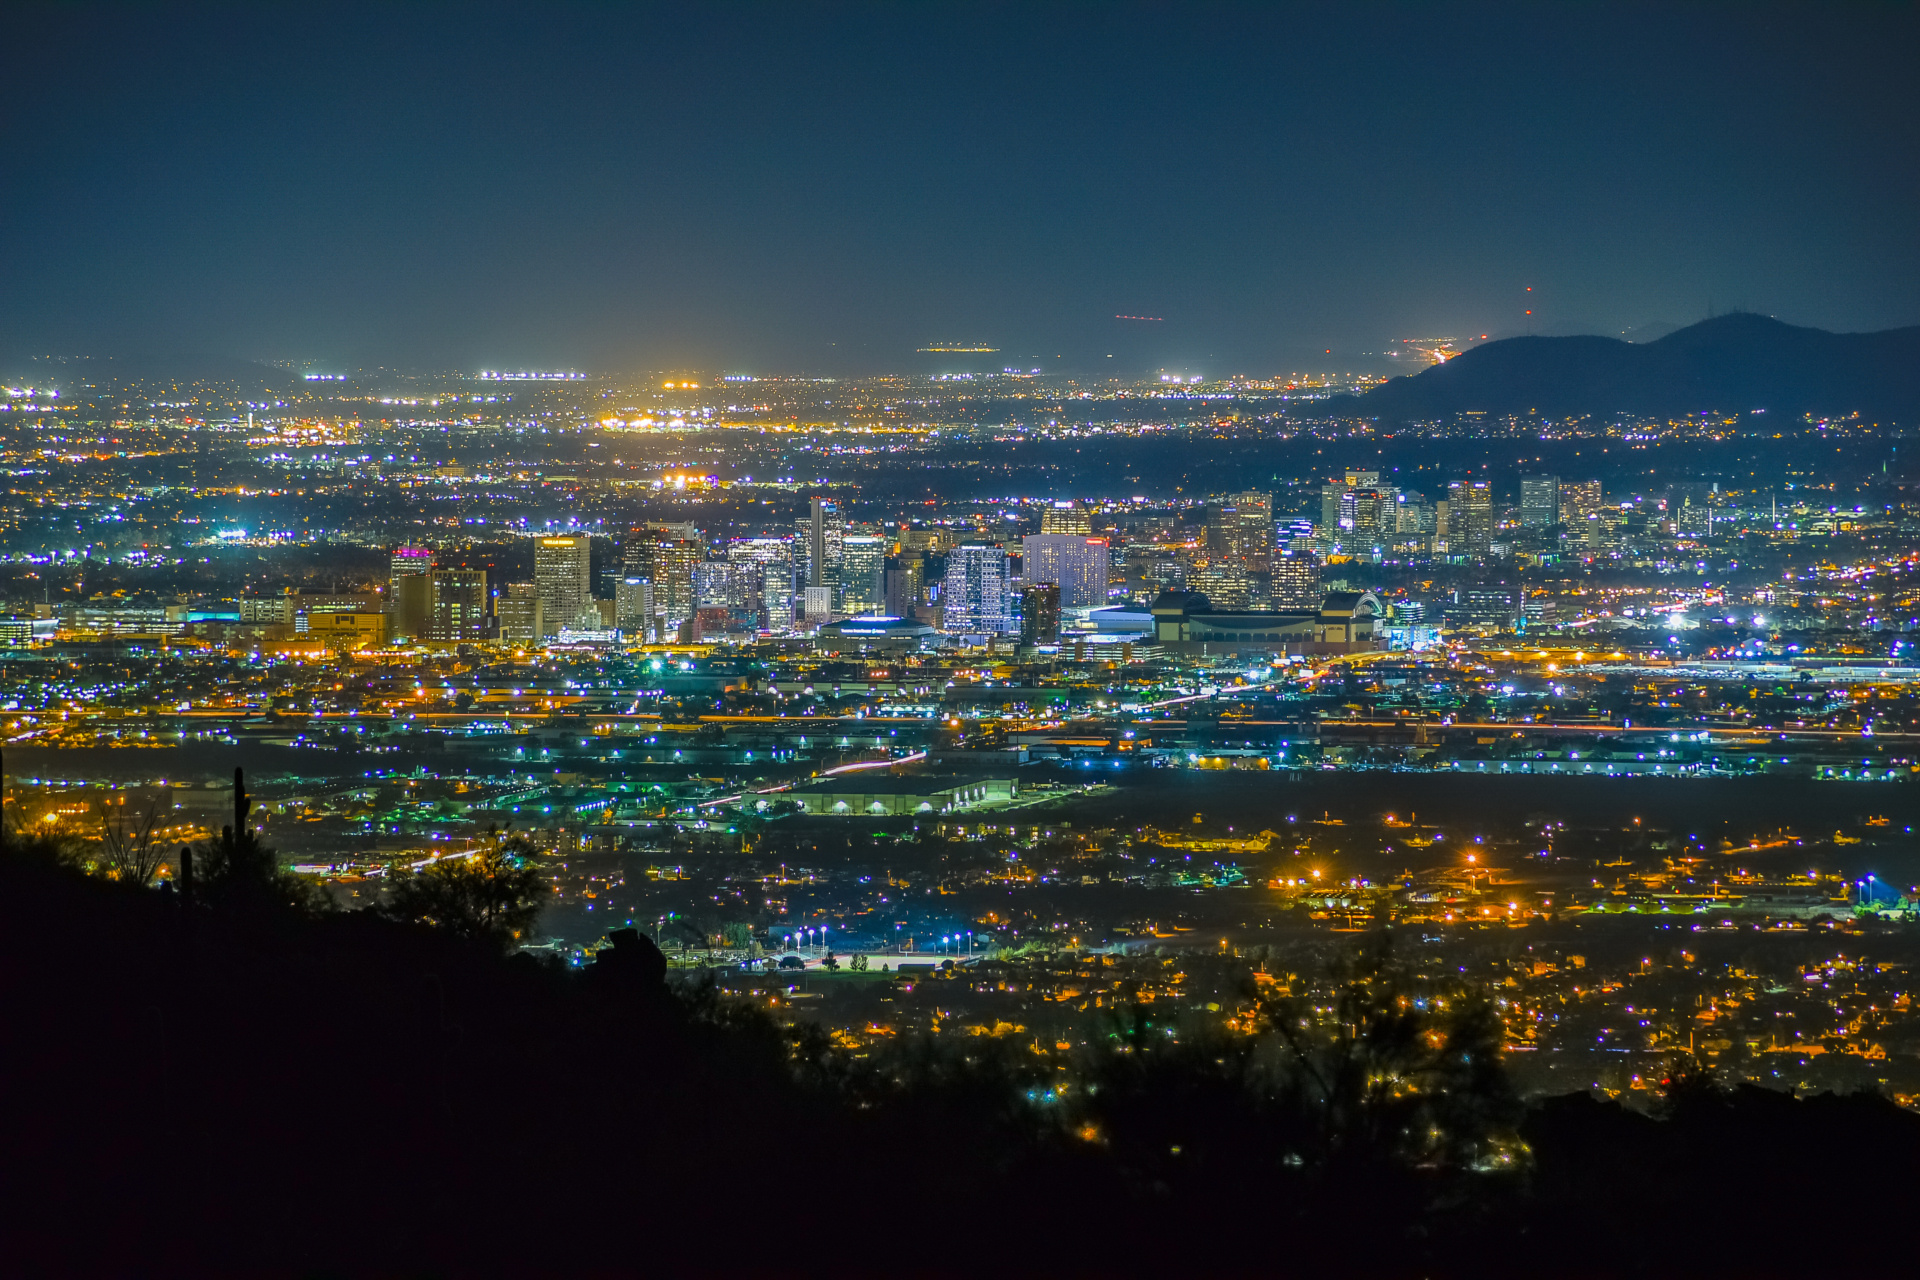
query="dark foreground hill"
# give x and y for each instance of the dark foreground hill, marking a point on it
(1730, 364)
(225, 1091)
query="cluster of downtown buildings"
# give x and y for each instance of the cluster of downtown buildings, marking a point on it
(1021, 578)
(1222, 572)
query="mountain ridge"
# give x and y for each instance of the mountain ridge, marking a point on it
(1736, 363)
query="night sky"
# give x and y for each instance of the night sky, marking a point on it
(808, 188)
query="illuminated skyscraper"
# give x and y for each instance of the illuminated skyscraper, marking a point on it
(1296, 582)
(1077, 565)
(404, 562)
(1330, 496)
(863, 575)
(1539, 501)
(1579, 500)
(776, 596)
(633, 607)
(673, 592)
(1066, 518)
(1469, 518)
(826, 535)
(774, 593)
(906, 585)
(408, 593)
(1250, 532)
(517, 609)
(731, 586)
(659, 555)
(1368, 519)
(1039, 613)
(976, 591)
(1223, 582)
(563, 577)
(1333, 506)
(457, 605)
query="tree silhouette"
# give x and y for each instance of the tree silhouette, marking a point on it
(1390, 1077)
(129, 845)
(493, 896)
(239, 868)
(45, 848)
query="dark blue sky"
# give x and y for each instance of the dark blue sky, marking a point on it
(827, 187)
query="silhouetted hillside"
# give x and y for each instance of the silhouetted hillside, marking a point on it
(1730, 364)
(246, 1089)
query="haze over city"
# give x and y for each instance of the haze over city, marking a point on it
(824, 189)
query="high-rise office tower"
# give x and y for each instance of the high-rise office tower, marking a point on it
(404, 562)
(408, 592)
(563, 576)
(1579, 500)
(906, 585)
(773, 560)
(863, 564)
(1330, 496)
(457, 605)
(1250, 533)
(660, 555)
(1218, 534)
(1223, 582)
(1360, 517)
(1412, 513)
(1077, 565)
(802, 542)
(976, 591)
(1296, 582)
(731, 586)
(633, 607)
(760, 550)
(673, 592)
(776, 595)
(1039, 613)
(1539, 501)
(826, 535)
(1334, 504)
(517, 610)
(1066, 518)
(1470, 518)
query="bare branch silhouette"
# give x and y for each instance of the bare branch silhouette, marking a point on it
(129, 842)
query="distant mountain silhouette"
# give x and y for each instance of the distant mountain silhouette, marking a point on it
(1730, 364)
